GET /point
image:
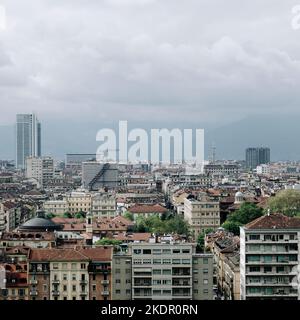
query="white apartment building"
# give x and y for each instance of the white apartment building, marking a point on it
(263, 169)
(201, 214)
(40, 169)
(269, 258)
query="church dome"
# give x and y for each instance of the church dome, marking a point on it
(40, 223)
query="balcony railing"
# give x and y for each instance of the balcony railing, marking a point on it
(105, 282)
(105, 293)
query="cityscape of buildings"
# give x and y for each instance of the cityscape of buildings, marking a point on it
(83, 230)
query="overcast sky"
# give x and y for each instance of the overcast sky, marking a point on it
(183, 60)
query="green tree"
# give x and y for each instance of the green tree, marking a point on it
(201, 239)
(129, 216)
(107, 242)
(286, 202)
(50, 215)
(67, 215)
(245, 214)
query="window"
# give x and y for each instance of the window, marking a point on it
(147, 251)
(186, 261)
(176, 261)
(128, 271)
(55, 266)
(64, 288)
(94, 287)
(205, 271)
(267, 269)
(156, 261)
(167, 261)
(117, 261)
(254, 236)
(156, 251)
(166, 251)
(156, 271)
(64, 265)
(73, 288)
(118, 291)
(205, 291)
(128, 291)
(83, 265)
(176, 251)
(65, 277)
(118, 271)
(166, 271)
(137, 251)
(45, 288)
(118, 280)
(73, 277)
(254, 269)
(185, 250)
(205, 281)
(128, 281)
(205, 261)
(73, 266)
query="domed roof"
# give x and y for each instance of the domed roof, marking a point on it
(40, 223)
(239, 194)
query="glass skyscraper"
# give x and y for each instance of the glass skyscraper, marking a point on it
(257, 156)
(28, 138)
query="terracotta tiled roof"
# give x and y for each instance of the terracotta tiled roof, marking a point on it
(101, 253)
(156, 208)
(274, 221)
(133, 236)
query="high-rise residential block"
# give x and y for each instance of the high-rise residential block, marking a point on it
(28, 138)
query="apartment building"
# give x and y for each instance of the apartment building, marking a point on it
(10, 215)
(269, 258)
(201, 213)
(70, 274)
(40, 168)
(56, 207)
(162, 271)
(104, 205)
(79, 201)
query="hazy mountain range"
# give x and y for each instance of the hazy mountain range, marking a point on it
(281, 134)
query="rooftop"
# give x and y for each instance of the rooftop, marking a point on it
(274, 221)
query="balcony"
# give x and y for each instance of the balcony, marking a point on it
(55, 281)
(105, 282)
(33, 293)
(55, 293)
(83, 293)
(83, 282)
(32, 281)
(105, 293)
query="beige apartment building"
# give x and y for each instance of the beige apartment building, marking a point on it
(201, 213)
(70, 274)
(104, 205)
(79, 201)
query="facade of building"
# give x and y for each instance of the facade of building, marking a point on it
(70, 274)
(40, 168)
(79, 201)
(104, 205)
(269, 258)
(56, 207)
(257, 156)
(28, 138)
(96, 175)
(162, 271)
(201, 214)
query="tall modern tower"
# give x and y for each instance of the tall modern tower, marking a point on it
(257, 156)
(28, 138)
